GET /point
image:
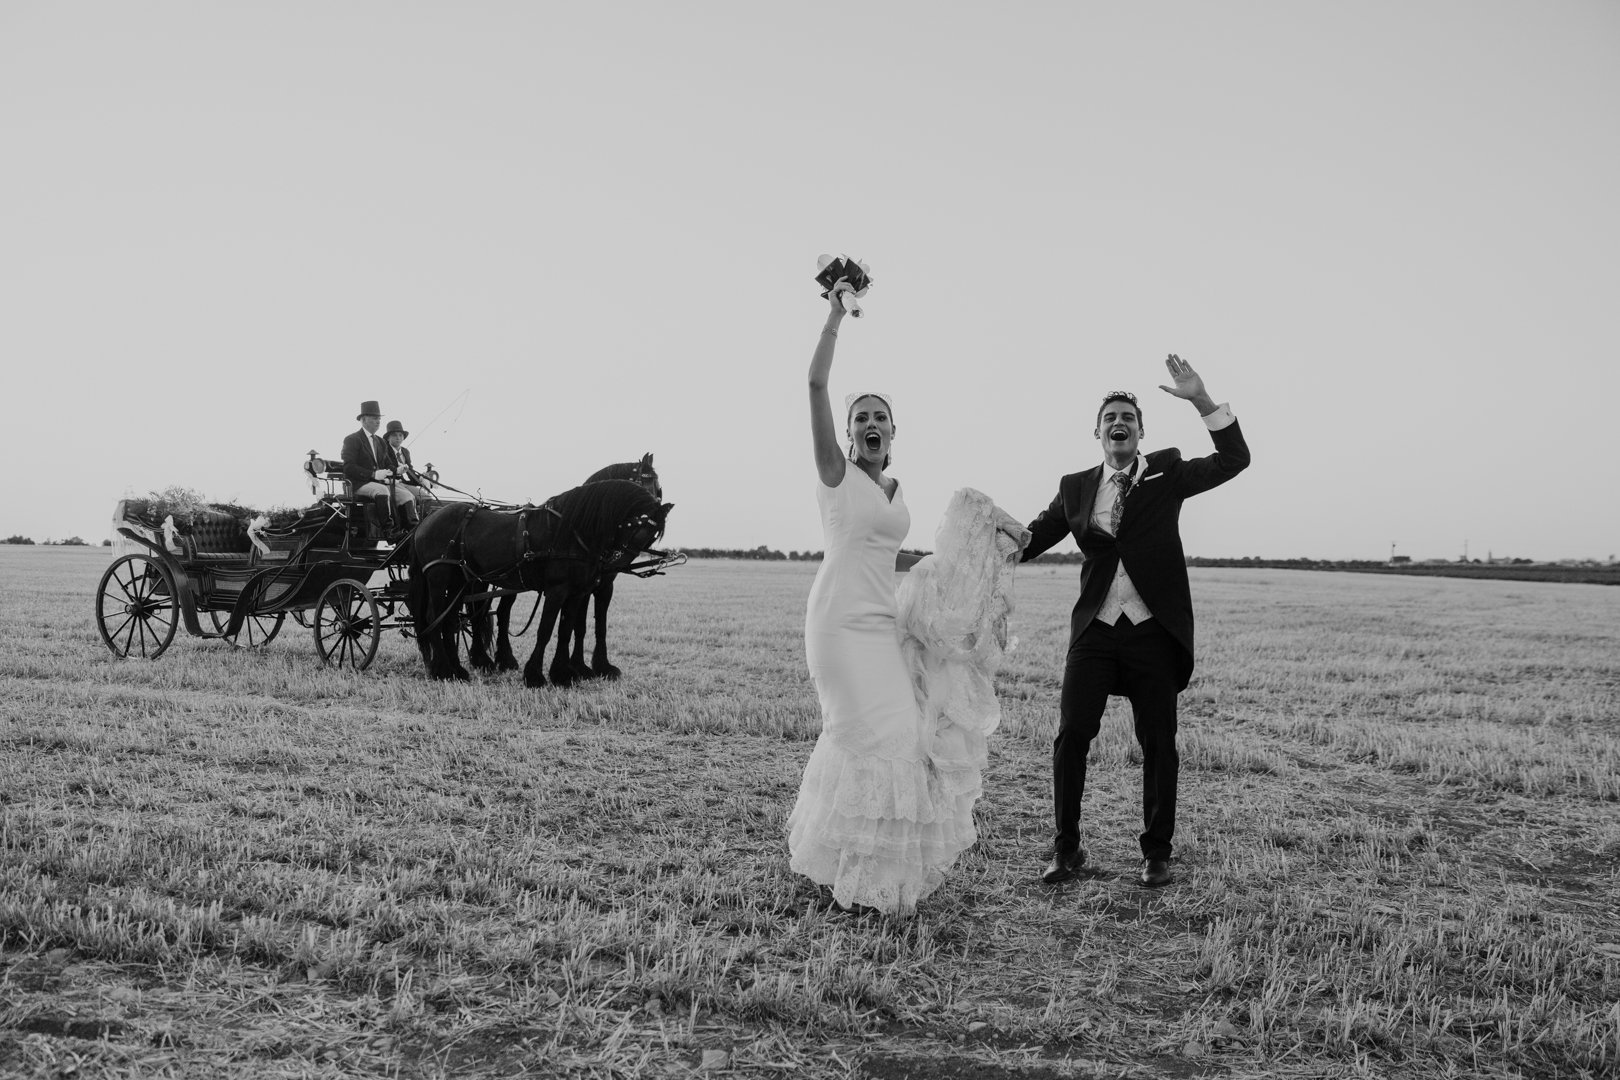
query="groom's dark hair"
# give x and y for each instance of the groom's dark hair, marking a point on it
(1119, 395)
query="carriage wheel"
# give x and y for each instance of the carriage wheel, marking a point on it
(256, 630)
(347, 625)
(464, 631)
(135, 607)
(464, 626)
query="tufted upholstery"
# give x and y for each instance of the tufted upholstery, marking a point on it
(218, 534)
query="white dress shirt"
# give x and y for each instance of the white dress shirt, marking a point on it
(1122, 595)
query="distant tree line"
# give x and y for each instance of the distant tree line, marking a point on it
(767, 554)
(1585, 572)
(1588, 571)
(72, 541)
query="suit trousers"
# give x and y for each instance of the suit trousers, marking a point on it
(378, 493)
(1138, 661)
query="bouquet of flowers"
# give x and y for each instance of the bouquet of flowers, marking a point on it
(847, 277)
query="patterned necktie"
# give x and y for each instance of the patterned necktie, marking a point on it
(1123, 481)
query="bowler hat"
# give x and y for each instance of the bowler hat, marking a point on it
(369, 408)
(395, 425)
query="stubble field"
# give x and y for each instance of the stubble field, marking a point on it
(1398, 852)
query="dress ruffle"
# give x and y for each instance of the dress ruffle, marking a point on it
(880, 832)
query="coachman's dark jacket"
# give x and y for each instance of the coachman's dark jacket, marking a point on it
(357, 461)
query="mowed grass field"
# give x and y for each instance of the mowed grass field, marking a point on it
(1399, 852)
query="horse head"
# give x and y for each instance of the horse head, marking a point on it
(637, 533)
(637, 472)
(647, 477)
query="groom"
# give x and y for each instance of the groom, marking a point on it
(1132, 629)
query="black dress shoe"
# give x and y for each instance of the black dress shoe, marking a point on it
(1156, 872)
(1064, 865)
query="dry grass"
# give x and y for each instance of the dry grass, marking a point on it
(1398, 854)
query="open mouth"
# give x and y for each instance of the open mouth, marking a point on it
(1119, 434)
(873, 440)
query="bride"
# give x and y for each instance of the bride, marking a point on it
(886, 801)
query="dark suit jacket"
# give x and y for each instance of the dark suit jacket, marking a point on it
(402, 461)
(1149, 540)
(357, 462)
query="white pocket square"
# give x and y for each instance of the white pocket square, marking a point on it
(1155, 476)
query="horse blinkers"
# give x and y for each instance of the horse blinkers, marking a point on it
(629, 542)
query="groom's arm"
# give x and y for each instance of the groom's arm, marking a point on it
(1231, 454)
(1051, 526)
(1231, 457)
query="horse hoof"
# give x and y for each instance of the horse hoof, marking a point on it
(608, 672)
(461, 675)
(482, 663)
(534, 682)
(506, 663)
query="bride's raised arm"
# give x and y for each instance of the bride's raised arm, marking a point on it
(823, 430)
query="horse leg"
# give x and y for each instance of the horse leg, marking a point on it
(578, 608)
(438, 648)
(449, 643)
(533, 672)
(477, 614)
(599, 658)
(561, 671)
(428, 640)
(416, 598)
(504, 659)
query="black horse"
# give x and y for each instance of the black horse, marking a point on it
(559, 549)
(571, 622)
(637, 472)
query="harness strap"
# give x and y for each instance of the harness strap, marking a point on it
(522, 552)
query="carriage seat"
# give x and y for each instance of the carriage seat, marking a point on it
(329, 472)
(217, 537)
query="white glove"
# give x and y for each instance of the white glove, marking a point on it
(381, 475)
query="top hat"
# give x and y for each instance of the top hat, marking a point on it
(369, 408)
(395, 425)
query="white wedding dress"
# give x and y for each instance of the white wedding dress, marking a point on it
(907, 701)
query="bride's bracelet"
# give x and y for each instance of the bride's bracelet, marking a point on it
(829, 331)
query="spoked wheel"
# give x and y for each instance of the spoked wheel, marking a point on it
(136, 611)
(464, 626)
(255, 631)
(464, 631)
(347, 625)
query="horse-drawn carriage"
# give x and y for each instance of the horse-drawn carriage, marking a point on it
(331, 569)
(239, 580)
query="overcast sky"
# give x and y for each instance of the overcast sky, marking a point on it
(549, 236)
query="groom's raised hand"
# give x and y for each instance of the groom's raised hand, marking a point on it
(1188, 384)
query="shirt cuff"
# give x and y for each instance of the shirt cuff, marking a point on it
(1221, 418)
